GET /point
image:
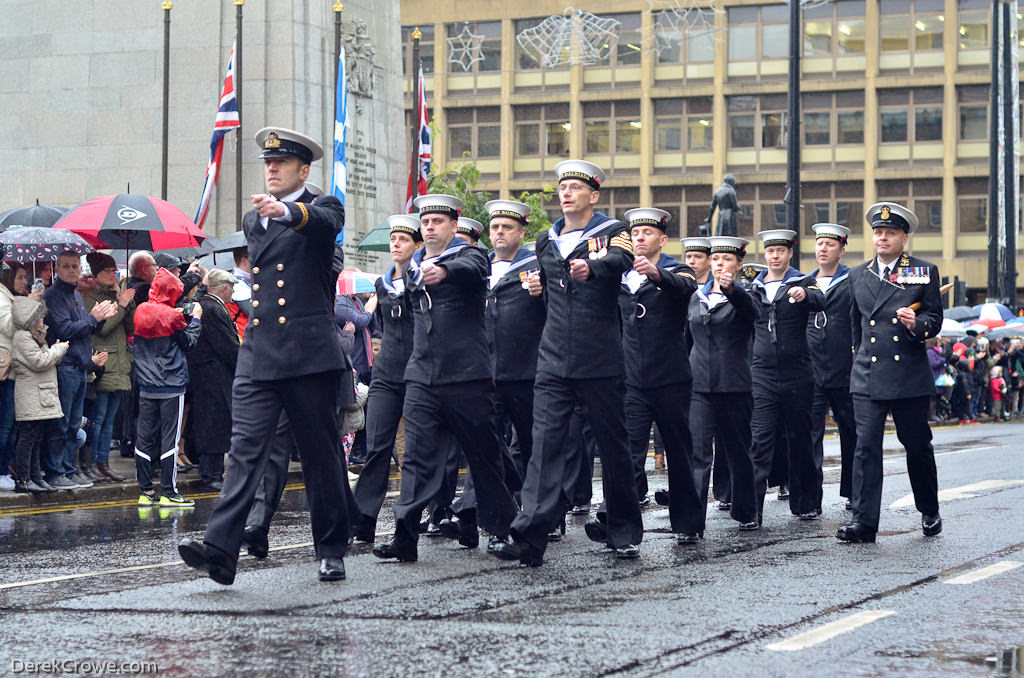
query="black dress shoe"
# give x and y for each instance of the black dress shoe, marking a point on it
(849, 505)
(558, 533)
(364, 533)
(931, 525)
(510, 550)
(810, 515)
(580, 510)
(855, 533)
(462, 529)
(215, 486)
(503, 549)
(661, 497)
(783, 492)
(255, 540)
(725, 506)
(217, 564)
(596, 531)
(645, 500)
(405, 553)
(332, 569)
(628, 552)
(423, 525)
(683, 538)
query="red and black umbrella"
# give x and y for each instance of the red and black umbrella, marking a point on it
(132, 222)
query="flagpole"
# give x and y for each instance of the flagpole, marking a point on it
(338, 9)
(166, 6)
(238, 98)
(417, 96)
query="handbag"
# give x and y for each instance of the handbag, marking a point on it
(5, 364)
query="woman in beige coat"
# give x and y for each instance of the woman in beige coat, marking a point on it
(36, 399)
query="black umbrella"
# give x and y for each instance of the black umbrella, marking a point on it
(33, 243)
(230, 242)
(33, 215)
(960, 313)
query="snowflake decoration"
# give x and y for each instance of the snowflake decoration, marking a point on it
(464, 48)
(575, 38)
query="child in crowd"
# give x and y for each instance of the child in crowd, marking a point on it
(997, 386)
(36, 400)
(162, 335)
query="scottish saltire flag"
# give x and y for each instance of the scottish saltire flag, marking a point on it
(339, 181)
(421, 157)
(227, 120)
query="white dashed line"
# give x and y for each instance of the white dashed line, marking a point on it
(985, 572)
(829, 631)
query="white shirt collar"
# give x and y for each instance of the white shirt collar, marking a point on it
(291, 197)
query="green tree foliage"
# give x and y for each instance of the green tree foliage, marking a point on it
(460, 180)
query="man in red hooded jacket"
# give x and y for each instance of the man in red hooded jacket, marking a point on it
(162, 335)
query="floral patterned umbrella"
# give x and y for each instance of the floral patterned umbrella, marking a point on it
(35, 243)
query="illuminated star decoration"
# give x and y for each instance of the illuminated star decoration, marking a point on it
(464, 48)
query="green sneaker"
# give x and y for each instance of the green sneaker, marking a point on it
(148, 499)
(176, 500)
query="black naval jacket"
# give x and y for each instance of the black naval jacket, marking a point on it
(830, 335)
(292, 331)
(514, 322)
(395, 318)
(654, 327)
(582, 337)
(720, 355)
(449, 340)
(782, 358)
(891, 362)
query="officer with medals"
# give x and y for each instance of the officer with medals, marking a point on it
(581, 258)
(831, 340)
(782, 372)
(449, 383)
(896, 308)
(720, 322)
(289, 363)
(653, 302)
(387, 387)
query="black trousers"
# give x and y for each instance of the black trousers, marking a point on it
(466, 409)
(726, 418)
(911, 418)
(709, 460)
(309, 401)
(383, 414)
(156, 442)
(792, 408)
(543, 495)
(578, 484)
(513, 401)
(841, 402)
(669, 407)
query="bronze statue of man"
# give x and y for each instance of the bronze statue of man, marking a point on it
(728, 208)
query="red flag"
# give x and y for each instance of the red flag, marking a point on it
(421, 156)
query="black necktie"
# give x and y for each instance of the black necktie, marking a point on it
(885, 273)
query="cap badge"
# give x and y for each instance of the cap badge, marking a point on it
(885, 213)
(272, 141)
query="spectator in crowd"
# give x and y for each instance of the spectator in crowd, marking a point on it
(351, 309)
(68, 320)
(963, 388)
(39, 270)
(240, 306)
(938, 364)
(141, 269)
(213, 357)
(1014, 367)
(980, 396)
(162, 335)
(15, 282)
(36, 400)
(997, 388)
(110, 337)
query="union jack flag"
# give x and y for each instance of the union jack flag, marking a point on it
(421, 157)
(227, 120)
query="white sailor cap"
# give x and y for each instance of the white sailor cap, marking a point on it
(470, 227)
(508, 208)
(834, 231)
(729, 245)
(696, 244)
(891, 215)
(280, 142)
(777, 236)
(405, 223)
(647, 216)
(587, 172)
(439, 203)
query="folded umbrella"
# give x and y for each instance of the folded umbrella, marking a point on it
(35, 243)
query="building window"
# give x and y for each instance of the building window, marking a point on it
(972, 205)
(426, 49)
(610, 125)
(474, 133)
(760, 118)
(685, 41)
(758, 32)
(973, 109)
(682, 121)
(529, 58)
(542, 130)
(837, 203)
(910, 114)
(850, 117)
(490, 46)
(975, 18)
(834, 29)
(923, 197)
(630, 45)
(616, 201)
(818, 128)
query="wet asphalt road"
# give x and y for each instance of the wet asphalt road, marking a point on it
(112, 589)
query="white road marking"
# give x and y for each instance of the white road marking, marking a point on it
(829, 631)
(946, 454)
(985, 572)
(964, 492)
